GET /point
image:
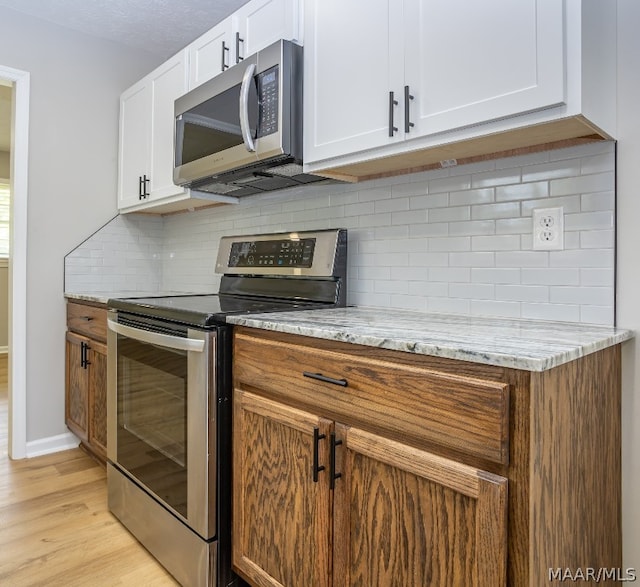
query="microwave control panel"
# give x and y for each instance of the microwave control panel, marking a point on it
(268, 84)
(273, 253)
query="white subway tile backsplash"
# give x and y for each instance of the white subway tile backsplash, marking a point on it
(596, 296)
(429, 201)
(597, 182)
(496, 275)
(524, 293)
(495, 178)
(447, 240)
(597, 239)
(479, 196)
(472, 259)
(473, 227)
(503, 242)
(550, 276)
(505, 210)
(450, 184)
(551, 170)
(555, 312)
(452, 214)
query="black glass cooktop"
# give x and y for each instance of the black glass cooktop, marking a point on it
(204, 310)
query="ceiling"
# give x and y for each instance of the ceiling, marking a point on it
(160, 27)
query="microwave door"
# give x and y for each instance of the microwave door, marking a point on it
(209, 135)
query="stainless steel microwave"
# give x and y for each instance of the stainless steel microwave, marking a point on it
(240, 133)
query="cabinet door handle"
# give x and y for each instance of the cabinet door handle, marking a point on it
(140, 184)
(225, 50)
(84, 362)
(317, 437)
(146, 182)
(407, 113)
(321, 377)
(332, 461)
(392, 103)
(238, 41)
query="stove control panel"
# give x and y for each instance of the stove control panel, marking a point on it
(272, 253)
(310, 253)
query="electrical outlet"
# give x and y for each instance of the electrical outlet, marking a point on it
(548, 229)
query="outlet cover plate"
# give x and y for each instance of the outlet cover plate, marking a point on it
(548, 229)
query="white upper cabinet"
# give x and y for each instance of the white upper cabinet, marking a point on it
(471, 62)
(261, 23)
(351, 69)
(393, 85)
(133, 154)
(254, 26)
(211, 53)
(146, 135)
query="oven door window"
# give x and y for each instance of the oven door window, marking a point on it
(152, 418)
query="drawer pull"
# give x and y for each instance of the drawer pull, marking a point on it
(87, 318)
(317, 467)
(321, 377)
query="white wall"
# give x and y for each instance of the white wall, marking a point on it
(628, 265)
(75, 84)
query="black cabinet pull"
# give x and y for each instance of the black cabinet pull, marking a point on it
(317, 437)
(238, 41)
(407, 114)
(321, 377)
(392, 102)
(87, 362)
(84, 362)
(87, 318)
(332, 461)
(225, 49)
(145, 183)
(140, 184)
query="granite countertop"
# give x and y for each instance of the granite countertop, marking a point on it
(104, 297)
(531, 345)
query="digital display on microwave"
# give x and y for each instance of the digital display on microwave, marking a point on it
(284, 253)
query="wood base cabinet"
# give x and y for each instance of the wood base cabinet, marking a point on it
(362, 466)
(86, 376)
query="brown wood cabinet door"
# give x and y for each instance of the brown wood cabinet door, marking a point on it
(404, 517)
(97, 356)
(281, 528)
(77, 387)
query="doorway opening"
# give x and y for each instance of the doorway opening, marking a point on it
(16, 420)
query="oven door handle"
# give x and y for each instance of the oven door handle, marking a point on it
(165, 340)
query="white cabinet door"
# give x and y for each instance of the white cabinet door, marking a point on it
(351, 66)
(167, 83)
(471, 62)
(211, 53)
(133, 161)
(260, 23)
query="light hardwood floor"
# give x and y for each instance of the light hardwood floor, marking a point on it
(55, 529)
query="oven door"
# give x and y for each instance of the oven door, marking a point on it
(161, 415)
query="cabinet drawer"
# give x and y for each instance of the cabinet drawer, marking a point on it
(460, 412)
(88, 320)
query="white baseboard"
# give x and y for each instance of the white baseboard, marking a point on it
(45, 446)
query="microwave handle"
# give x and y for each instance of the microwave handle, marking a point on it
(165, 340)
(244, 107)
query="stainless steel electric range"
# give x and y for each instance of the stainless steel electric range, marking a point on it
(169, 394)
